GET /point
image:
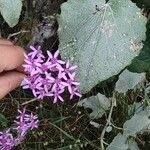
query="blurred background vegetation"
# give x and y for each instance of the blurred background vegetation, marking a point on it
(66, 126)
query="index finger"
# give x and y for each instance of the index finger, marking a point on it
(11, 57)
(5, 42)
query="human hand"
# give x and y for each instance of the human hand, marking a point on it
(11, 57)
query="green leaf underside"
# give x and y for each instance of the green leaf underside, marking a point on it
(99, 104)
(100, 38)
(137, 123)
(10, 10)
(3, 120)
(121, 142)
(128, 80)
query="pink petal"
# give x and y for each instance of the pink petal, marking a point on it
(26, 80)
(50, 94)
(72, 76)
(51, 66)
(61, 62)
(33, 72)
(63, 75)
(39, 48)
(54, 87)
(71, 96)
(34, 93)
(73, 67)
(56, 54)
(61, 91)
(59, 67)
(37, 64)
(26, 56)
(70, 89)
(60, 98)
(76, 83)
(49, 54)
(25, 87)
(46, 88)
(55, 100)
(64, 83)
(33, 48)
(78, 94)
(27, 61)
(67, 64)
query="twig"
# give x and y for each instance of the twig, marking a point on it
(14, 34)
(113, 104)
(116, 127)
(30, 101)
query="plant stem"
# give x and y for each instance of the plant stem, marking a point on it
(113, 104)
(30, 101)
(17, 33)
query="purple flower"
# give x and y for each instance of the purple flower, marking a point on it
(24, 122)
(32, 83)
(6, 140)
(68, 69)
(49, 76)
(46, 66)
(56, 94)
(32, 121)
(75, 92)
(70, 82)
(58, 82)
(54, 58)
(36, 53)
(32, 65)
(22, 127)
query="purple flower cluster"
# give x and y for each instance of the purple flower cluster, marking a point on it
(23, 123)
(49, 76)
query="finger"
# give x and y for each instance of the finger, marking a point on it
(5, 42)
(9, 81)
(11, 57)
(21, 70)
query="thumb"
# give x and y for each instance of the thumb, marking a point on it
(9, 81)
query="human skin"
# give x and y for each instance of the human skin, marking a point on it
(11, 74)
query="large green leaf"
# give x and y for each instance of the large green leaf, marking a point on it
(10, 10)
(101, 38)
(128, 80)
(99, 104)
(142, 62)
(140, 121)
(120, 142)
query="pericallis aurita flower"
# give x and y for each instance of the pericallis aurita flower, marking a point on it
(49, 76)
(15, 135)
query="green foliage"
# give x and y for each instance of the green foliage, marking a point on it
(99, 104)
(10, 10)
(100, 38)
(142, 62)
(128, 80)
(120, 142)
(3, 121)
(139, 122)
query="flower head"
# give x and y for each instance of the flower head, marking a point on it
(49, 76)
(24, 122)
(6, 140)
